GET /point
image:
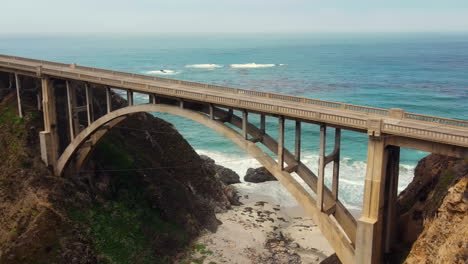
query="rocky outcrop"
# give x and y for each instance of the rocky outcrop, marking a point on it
(434, 211)
(421, 199)
(143, 195)
(226, 175)
(258, 175)
(444, 238)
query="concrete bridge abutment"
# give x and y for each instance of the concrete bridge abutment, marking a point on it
(376, 226)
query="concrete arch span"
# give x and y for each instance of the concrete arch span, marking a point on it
(334, 234)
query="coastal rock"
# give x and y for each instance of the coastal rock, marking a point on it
(258, 175)
(226, 175)
(434, 209)
(144, 189)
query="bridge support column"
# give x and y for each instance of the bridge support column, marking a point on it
(211, 108)
(281, 142)
(89, 104)
(73, 123)
(323, 161)
(49, 137)
(297, 148)
(321, 167)
(129, 97)
(262, 124)
(381, 179)
(391, 193)
(245, 121)
(18, 94)
(336, 164)
(108, 100)
(152, 99)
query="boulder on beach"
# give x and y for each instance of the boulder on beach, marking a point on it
(226, 175)
(258, 175)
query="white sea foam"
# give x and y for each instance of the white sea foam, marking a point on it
(251, 65)
(204, 66)
(163, 72)
(351, 187)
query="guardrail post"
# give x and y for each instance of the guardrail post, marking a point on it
(18, 95)
(281, 142)
(373, 127)
(397, 113)
(39, 71)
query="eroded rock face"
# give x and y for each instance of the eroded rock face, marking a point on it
(258, 175)
(445, 237)
(226, 175)
(142, 180)
(434, 211)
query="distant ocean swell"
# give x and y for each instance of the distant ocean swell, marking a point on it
(212, 66)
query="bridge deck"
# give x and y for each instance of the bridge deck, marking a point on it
(374, 121)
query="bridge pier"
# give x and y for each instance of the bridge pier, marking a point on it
(49, 137)
(376, 225)
(18, 94)
(73, 123)
(281, 142)
(108, 100)
(129, 97)
(297, 145)
(323, 161)
(89, 104)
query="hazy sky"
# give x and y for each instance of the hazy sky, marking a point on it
(81, 16)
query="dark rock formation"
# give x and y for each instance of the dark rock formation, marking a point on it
(226, 175)
(258, 175)
(281, 250)
(142, 196)
(333, 259)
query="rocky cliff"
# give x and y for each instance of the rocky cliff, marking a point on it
(141, 198)
(434, 209)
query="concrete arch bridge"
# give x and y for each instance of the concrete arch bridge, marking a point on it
(365, 240)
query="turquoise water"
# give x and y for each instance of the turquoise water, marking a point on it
(422, 73)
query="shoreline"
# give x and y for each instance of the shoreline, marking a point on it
(262, 231)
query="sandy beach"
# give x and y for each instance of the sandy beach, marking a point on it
(262, 231)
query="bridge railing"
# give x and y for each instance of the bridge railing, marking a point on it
(333, 105)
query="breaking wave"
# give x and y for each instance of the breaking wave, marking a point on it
(351, 185)
(251, 65)
(163, 72)
(204, 66)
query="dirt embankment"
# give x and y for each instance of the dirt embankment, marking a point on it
(141, 198)
(434, 207)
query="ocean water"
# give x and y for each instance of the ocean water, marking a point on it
(421, 73)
